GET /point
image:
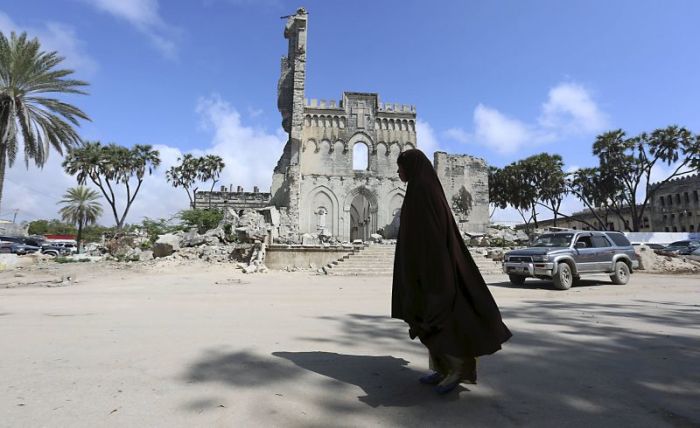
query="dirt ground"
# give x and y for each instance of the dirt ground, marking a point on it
(205, 345)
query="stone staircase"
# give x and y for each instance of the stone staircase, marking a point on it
(378, 260)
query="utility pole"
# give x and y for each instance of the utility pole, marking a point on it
(14, 217)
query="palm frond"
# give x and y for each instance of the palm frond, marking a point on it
(26, 117)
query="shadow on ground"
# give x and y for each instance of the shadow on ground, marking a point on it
(568, 364)
(541, 284)
(385, 380)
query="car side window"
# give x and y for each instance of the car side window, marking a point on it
(600, 242)
(585, 240)
(619, 239)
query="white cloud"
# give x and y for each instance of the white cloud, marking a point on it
(145, 17)
(569, 110)
(255, 112)
(250, 155)
(427, 142)
(58, 37)
(503, 134)
(459, 135)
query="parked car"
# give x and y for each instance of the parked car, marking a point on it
(685, 247)
(24, 245)
(564, 257)
(47, 248)
(18, 248)
(68, 246)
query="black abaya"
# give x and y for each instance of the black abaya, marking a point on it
(437, 288)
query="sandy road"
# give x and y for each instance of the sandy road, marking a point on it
(208, 346)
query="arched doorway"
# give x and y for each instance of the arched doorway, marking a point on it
(360, 218)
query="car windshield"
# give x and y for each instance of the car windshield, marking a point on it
(680, 244)
(554, 240)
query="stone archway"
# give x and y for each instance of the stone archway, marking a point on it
(359, 214)
(360, 218)
(391, 210)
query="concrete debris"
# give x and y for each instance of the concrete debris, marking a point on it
(192, 238)
(377, 238)
(172, 239)
(145, 255)
(651, 261)
(162, 249)
(308, 239)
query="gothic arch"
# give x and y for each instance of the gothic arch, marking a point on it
(323, 196)
(309, 143)
(345, 215)
(339, 145)
(389, 217)
(361, 190)
(383, 148)
(325, 145)
(361, 136)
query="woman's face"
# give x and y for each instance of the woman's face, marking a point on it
(402, 174)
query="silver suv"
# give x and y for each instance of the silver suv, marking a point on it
(564, 256)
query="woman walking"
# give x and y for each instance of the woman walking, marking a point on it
(437, 288)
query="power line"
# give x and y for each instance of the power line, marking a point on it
(30, 188)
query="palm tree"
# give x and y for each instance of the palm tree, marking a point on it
(27, 116)
(81, 208)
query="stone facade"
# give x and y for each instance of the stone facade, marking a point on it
(337, 174)
(466, 176)
(676, 205)
(227, 198)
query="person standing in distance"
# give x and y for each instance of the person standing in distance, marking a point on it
(437, 288)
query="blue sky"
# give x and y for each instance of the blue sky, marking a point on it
(496, 79)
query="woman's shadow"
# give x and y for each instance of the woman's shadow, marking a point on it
(385, 380)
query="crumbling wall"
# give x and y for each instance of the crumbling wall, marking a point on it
(457, 172)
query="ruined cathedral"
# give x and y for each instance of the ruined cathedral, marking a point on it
(337, 175)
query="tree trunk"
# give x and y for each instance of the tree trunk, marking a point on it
(211, 191)
(79, 238)
(534, 216)
(3, 162)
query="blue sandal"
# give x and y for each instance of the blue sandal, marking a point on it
(431, 379)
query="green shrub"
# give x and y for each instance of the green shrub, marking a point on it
(154, 228)
(202, 219)
(51, 227)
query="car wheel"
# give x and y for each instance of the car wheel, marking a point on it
(564, 278)
(50, 253)
(517, 279)
(621, 275)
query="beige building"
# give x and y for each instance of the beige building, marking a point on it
(677, 205)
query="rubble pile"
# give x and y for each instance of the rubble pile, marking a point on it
(235, 239)
(652, 261)
(497, 236)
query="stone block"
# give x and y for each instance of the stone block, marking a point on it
(162, 249)
(171, 239)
